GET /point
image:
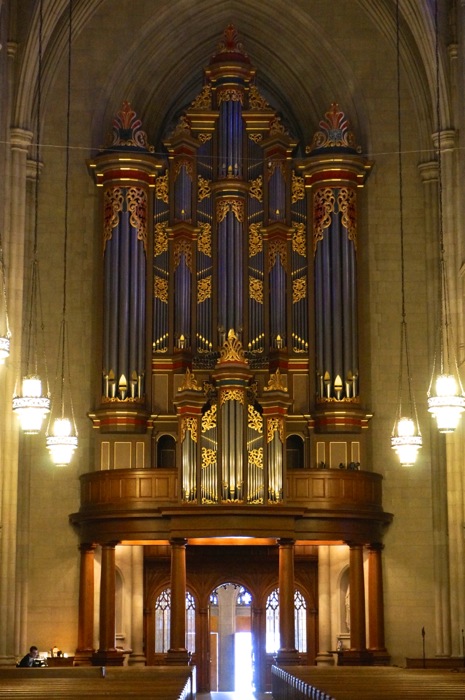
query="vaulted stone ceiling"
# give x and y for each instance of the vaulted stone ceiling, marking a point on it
(308, 53)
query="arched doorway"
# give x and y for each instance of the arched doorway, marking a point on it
(231, 658)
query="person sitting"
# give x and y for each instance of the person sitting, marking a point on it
(31, 658)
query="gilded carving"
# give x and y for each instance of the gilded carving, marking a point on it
(161, 289)
(275, 382)
(203, 188)
(234, 205)
(256, 289)
(230, 94)
(255, 420)
(204, 240)
(256, 188)
(161, 188)
(256, 138)
(299, 242)
(298, 188)
(255, 457)
(182, 127)
(182, 247)
(204, 289)
(190, 382)
(231, 395)
(255, 239)
(203, 99)
(203, 138)
(232, 349)
(347, 201)
(137, 206)
(209, 419)
(113, 205)
(323, 203)
(208, 457)
(299, 289)
(256, 101)
(182, 163)
(277, 248)
(161, 238)
(189, 424)
(272, 165)
(276, 127)
(275, 425)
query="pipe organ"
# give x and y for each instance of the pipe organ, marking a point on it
(250, 301)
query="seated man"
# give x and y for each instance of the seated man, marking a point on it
(31, 658)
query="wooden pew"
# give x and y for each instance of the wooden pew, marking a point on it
(114, 683)
(361, 683)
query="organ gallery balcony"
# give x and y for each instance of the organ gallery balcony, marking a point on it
(145, 504)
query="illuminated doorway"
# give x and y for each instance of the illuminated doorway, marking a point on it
(231, 667)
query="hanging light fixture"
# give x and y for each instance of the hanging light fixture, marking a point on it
(62, 439)
(32, 405)
(6, 334)
(446, 398)
(406, 438)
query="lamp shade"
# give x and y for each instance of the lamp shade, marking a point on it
(447, 404)
(406, 441)
(4, 348)
(31, 407)
(61, 443)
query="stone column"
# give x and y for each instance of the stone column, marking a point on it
(177, 652)
(324, 658)
(357, 599)
(137, 657)
(375, 599)
(11, 642)
(107, 655)
(429, 176)
(287, 653)
(84, 650)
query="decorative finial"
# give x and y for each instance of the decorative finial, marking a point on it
(127, 132)
(231, 46)
(232, 349)
(335, 132)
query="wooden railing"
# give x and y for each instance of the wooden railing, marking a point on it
(326, 489)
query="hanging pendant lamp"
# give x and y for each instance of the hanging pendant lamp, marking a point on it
(446, 398)
(406, 438)
(62, 438)
(31, 405)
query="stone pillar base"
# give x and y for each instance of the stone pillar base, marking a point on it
(137, 660)
(287, 657)
(107, 658)
(178, 657)
(324, 659)
(83, 657)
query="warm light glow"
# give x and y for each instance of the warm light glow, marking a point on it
(61, 444)
(448, 404)
(31, 407)
(4, 348)
(406, 442)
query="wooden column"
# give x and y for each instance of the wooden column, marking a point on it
(376, 641)
(287, 653)
(85, 646)
(107, 655)
(177, 652)
(357, 599)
